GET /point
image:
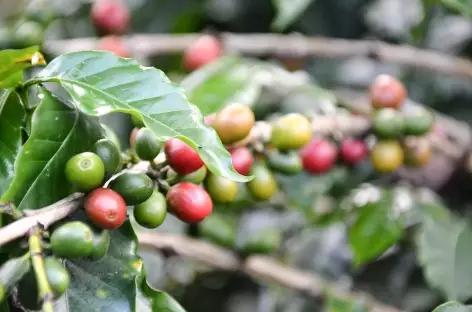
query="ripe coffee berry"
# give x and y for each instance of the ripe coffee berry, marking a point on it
(111, 16)
(105, 208)
(387, 91)
(319, 156)
(353, 151)
(113, 44)
(181, 157)
(201, 52)
(242, 160)
(189, 202)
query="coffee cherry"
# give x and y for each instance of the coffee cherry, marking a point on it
(195, 177)
(218, 229)
(28, 33)
(147, 146)
(388, 124)
(242, 160)
(109, 154)
(101, 243)
(418, 153)
(319, 156)
(134, 187)
(264, 185)
(132, 137)
(152, 212)
(105, 208)
(353, 151)
(221, 189)
(113, 44)
(264, 241)
(111, 16)
(233, 123)
(204, 50)
(85, 170)
(189, 202)
(291, 131)
(387, 156)
(288, 163)
(418, 122)
(72, 240)
(387, 91)
(181, 157)
(57, 275)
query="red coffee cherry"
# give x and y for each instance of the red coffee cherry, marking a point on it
(319, 156)
(181, 157)
(201, 52)
(105, 208)
(111, 16)
(242, 160)
(353, 151)
(189, 202)
(113, 44)
(387, 91)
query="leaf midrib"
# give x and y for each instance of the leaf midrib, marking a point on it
(60, 80)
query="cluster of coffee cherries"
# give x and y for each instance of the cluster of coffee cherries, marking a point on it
(112, 18)
(401, 133)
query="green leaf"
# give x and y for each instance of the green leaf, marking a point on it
(11, 119)
(107, 284)
(100, 83)
(445, 253)
(287, 12)
(13, 62)
(13, 271)
(149, 299)
(463, 7)
(58, 133)
(453, 306)
(374, 231)
(213, 86)
(334, 304)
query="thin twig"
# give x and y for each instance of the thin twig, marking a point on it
(44, 289)
(45, 216)
(258, 267)
(146, 45)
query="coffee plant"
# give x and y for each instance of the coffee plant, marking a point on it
(230, 142)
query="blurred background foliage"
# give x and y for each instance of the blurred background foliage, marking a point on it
(334, 225)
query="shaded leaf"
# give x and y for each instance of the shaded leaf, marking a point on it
(445, 253)
(12, 271)
(453, 306)
(463, 7)
(11, 119)
(13, 62)
(58, 132)
(221, 82)
(107, 284)
(100, 83)
(334, 304)
(287, 12)
(374, 231)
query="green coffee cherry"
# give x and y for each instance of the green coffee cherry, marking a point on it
(135, 188)
(147, 146)
(57, 276)
(151, 213)
(288, 163)
(101, 243)
(110, 156)
(221, 189)
(72, 240)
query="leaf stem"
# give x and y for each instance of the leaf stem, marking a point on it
(44, 289)
(10, 209)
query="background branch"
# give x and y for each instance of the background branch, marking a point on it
(258, 267)
(144, 45)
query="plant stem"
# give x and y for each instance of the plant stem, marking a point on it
(10, 209)
(158, 166)
(44, 289)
